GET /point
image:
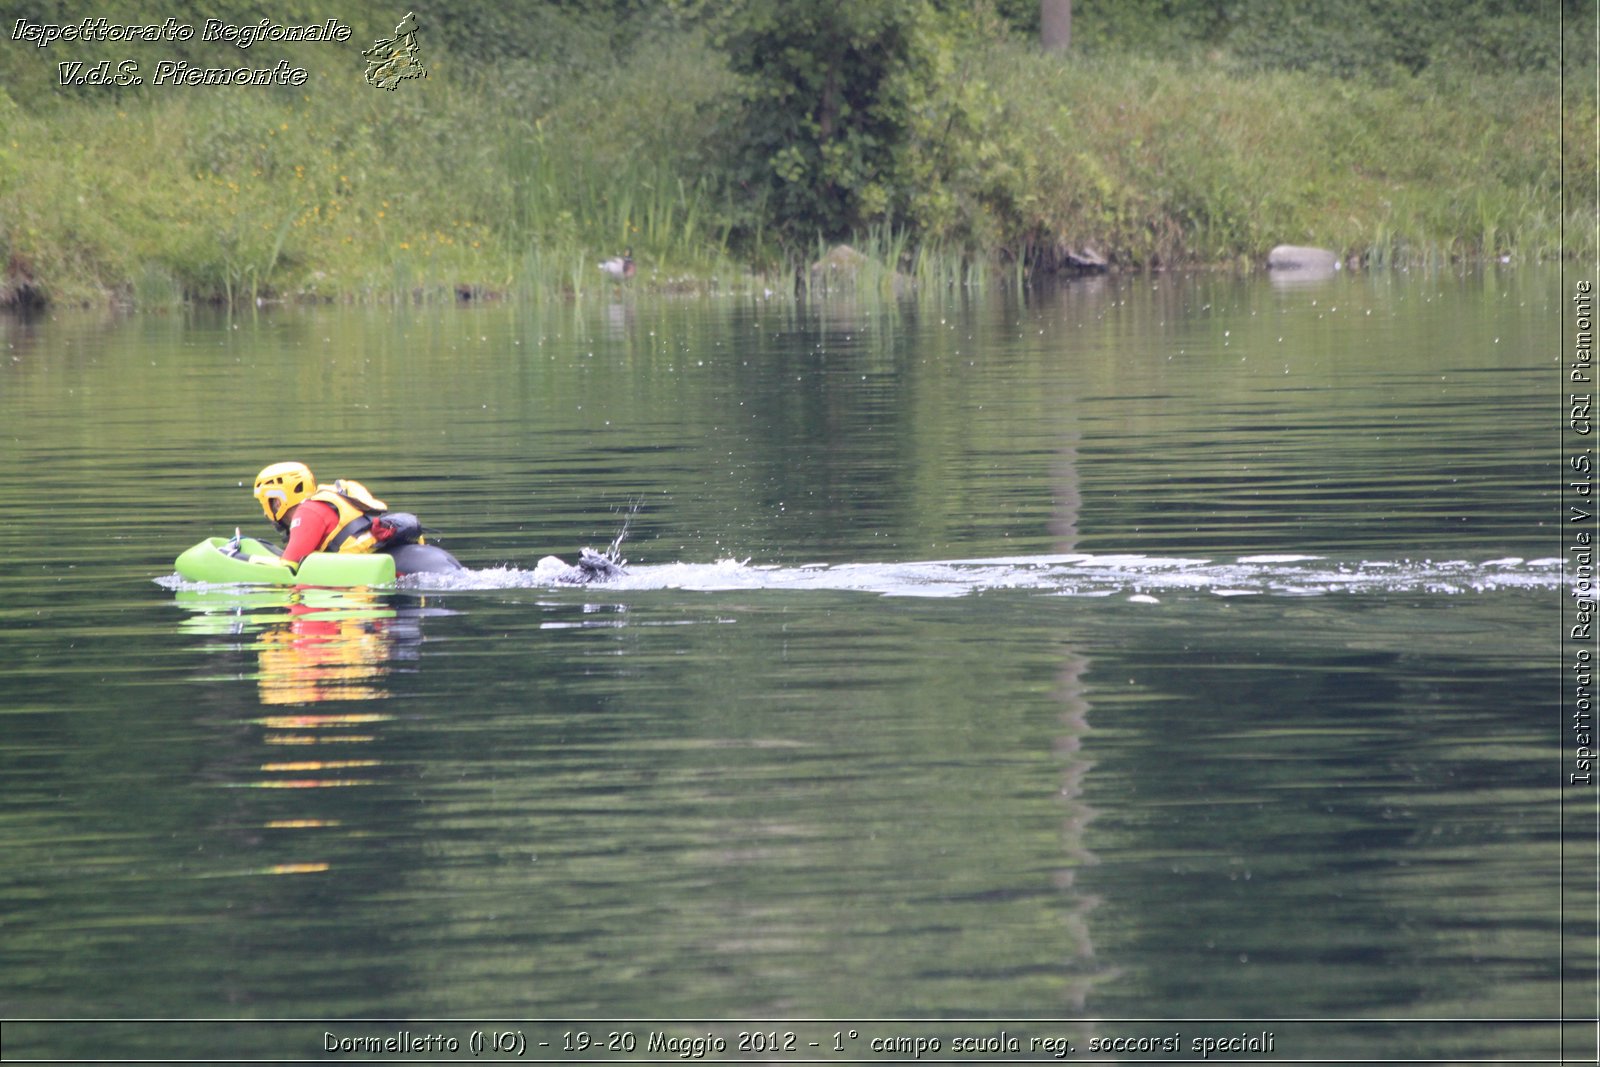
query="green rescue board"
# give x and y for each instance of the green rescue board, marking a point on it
(207, 562)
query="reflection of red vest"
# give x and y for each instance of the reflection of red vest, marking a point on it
(356, 507)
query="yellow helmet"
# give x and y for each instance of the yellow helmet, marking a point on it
(282, 486)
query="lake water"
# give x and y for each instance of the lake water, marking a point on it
(1147, 658)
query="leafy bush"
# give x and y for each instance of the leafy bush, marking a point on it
(828, 92)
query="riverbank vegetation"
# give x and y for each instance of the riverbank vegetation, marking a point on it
(729, 142)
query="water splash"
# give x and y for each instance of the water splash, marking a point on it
(1139, 578)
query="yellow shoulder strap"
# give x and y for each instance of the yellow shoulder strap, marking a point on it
(359, 493)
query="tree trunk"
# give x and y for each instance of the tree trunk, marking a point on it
(1055, 25)
(828, 110)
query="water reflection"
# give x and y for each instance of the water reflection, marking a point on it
(1201, 684)
(1082, 972)
(311, 645)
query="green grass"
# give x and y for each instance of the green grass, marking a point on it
(444, 184)
(1164, 163)
(515, 182)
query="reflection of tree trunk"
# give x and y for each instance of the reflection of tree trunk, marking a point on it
(1080, 968)
(1083, 296)
(1055, 25)
(1064, 523)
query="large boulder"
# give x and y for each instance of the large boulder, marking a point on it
(1085, 260)
(1298, 257)
(843, 265)
(18, 287)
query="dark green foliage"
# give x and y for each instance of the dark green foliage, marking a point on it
(564, 34)
(1346, 38)
(828, 88)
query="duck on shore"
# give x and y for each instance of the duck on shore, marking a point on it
(619, 267)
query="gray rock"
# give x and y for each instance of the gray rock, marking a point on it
(1297, 257)
(841, 261)
(845, 266)
(1087, 259)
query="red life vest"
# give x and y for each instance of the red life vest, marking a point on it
(356, 507)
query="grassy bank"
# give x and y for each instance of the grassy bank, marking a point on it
(1163, 163)
(516, 180)
(510, 187)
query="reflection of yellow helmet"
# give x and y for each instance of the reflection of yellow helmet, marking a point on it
(346, 663)
(282, 486)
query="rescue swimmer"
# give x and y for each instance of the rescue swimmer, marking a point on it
(341, 517)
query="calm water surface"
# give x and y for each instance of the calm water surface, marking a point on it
(1144, 650)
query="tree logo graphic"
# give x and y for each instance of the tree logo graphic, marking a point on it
(392, 61)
